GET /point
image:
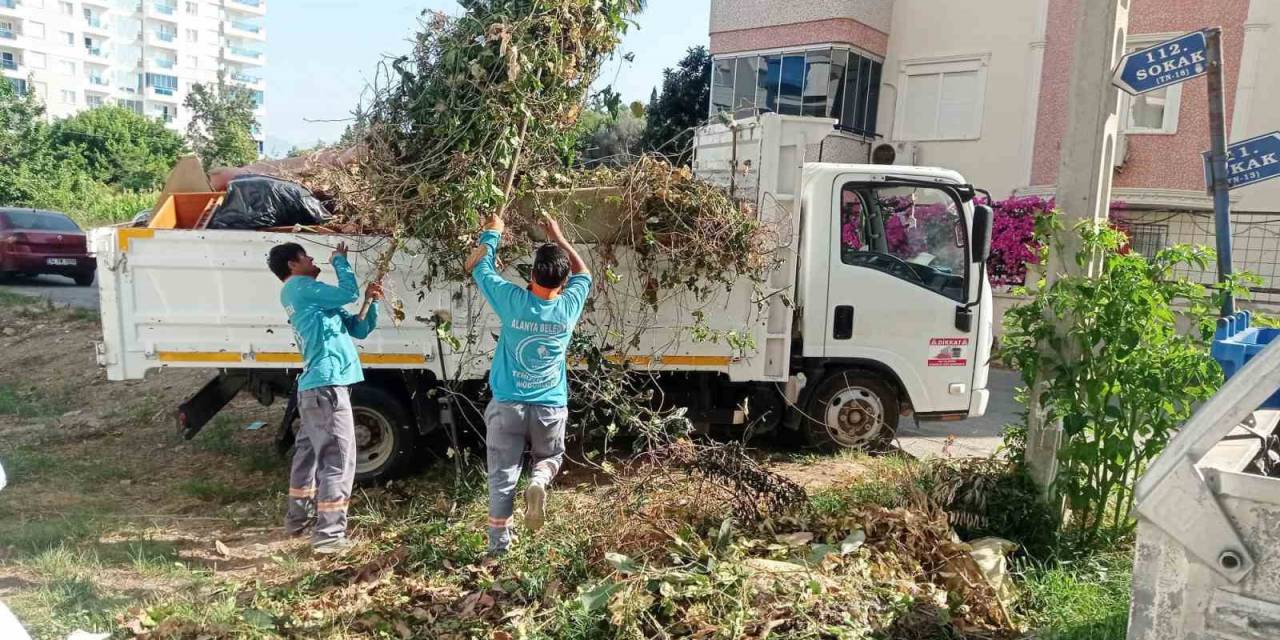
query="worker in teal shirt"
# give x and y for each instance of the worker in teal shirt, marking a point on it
(324, 460)
(529, 376)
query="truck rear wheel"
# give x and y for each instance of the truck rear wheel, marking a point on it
(386, 440)
(852, 409)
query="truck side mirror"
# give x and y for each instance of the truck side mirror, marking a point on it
(983, 219)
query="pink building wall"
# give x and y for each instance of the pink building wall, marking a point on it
(846, 30)
(1154, 161)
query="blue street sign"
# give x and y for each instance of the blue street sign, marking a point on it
(1249, 162)
(1165, 64)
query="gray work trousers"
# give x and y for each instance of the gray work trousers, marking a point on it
(324, 464)
(508, 427)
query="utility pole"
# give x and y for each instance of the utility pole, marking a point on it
(1084, 182)
(1218, 161)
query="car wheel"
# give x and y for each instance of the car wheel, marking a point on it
(386, 439)
(83, 279)
(852, 409)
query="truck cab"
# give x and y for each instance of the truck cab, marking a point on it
(892, 310)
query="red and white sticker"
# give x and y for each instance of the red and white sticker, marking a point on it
(948, 352)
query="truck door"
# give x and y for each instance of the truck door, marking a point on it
(899, 268)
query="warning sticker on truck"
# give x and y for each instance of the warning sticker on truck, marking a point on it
(948, 352)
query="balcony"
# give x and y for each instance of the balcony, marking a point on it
(8, 65)
(99, 81)
(244, 78)
(244, 29)
(164, 39)
(8, 6)
(8, 34)
(97, 26)
(164, 9)
(243, 55)
(253, 7)
(96, 52)
(166, 94)
(166, 63)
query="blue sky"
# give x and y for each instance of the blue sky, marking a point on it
(322, 53)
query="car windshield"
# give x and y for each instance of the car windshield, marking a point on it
(38, 221)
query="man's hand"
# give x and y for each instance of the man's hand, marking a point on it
(373, 292)
(495, 223)
(477, 254)
(551, 227)
(340, 250)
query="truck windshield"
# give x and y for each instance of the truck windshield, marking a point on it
(913, 233)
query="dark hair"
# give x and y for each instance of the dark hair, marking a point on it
(550, 266)
(280, 257)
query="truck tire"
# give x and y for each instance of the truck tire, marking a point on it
(83, 279)
(386, 440)
(852, 409)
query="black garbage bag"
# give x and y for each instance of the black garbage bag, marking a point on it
(257, 202)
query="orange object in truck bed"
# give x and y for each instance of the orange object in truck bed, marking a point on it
(186, 211)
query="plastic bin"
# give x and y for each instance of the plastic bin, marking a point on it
(1235, 342)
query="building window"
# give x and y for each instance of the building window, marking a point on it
(193, 8)
(132, 105)
(193, 62)
(70, 38)
(19, 86)
(67, 8)
(68, 97)
(1155, 112)
(941, 99)
(163, 85)
(193, 35)
(94, 101)
(831, 82)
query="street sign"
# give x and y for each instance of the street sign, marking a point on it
(1165, 64)
(1249, 162)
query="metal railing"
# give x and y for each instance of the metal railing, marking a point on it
(9, 4)
(98, 80)
(244, 53)
(166, 9)
(93, 21)
(249, 27)
(166, 36)
(95, 52)
(249, 3)
(8, 34)
(162, 91)
(165, 63)
(11, 65)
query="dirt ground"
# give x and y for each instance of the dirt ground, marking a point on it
(98, 473)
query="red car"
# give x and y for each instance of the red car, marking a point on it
(34, 242)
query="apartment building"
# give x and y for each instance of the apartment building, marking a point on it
(141, 54)
(981, 86)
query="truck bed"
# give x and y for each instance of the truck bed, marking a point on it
(205, 299)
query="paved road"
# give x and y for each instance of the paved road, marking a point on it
(973, 437)
(61, 290)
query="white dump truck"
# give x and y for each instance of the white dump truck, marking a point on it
(880, 309)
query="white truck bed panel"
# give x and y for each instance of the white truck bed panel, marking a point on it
(186, 298)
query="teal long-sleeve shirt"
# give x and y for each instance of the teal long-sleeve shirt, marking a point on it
(529, 366)
(324, 329)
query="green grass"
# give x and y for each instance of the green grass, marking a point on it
(220, 438)
(8, 299)
(29, 402)
(1085, 599)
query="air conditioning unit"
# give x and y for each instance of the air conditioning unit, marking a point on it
(899, 153)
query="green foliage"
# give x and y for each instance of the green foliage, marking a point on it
(120, 147)
(39, 169)
(222, 122)
(1084, 599)
(1104, 355)
(682, 105)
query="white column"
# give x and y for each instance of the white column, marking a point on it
(1035, 75)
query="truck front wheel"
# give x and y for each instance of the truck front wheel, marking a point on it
(852, 409)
